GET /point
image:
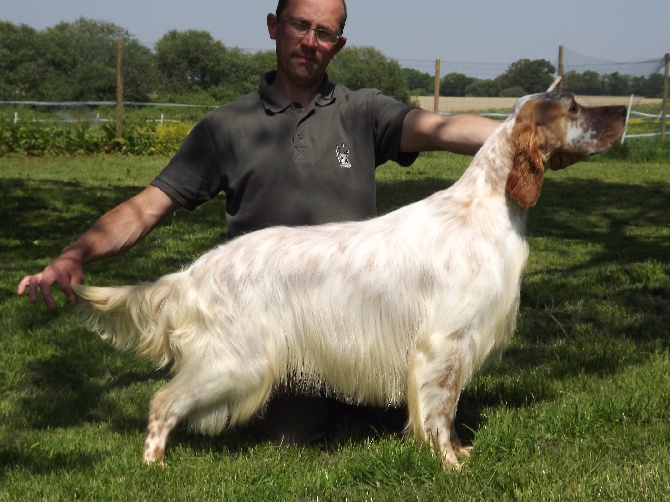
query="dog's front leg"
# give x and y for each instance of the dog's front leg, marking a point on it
(434, 387)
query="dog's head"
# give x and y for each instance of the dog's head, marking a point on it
(549, 124)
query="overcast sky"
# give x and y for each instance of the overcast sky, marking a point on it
(478, 31)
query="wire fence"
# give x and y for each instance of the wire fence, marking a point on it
(574, 72)
(646, 115)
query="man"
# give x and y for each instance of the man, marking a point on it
(299, 151)
(301, 65)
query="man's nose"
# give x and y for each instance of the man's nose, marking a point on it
(310, 38)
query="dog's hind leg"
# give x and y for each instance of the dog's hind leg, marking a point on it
(434, 387)
(211, 401)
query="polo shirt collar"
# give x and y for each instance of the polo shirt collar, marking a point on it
(275, 103)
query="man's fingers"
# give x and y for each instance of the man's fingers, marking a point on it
(65, 284)
(22, 286)
(39, 285)
(29, 285)
(46, 296)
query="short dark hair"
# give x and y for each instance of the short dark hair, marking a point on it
(281, 5)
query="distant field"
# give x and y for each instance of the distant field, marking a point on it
(450, 104)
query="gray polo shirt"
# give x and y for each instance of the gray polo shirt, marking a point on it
(279, 164)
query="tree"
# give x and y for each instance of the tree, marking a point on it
(19, 61)
(483, 89)
(418, 82)
(190, 61)
(360, 67)
(616, 84)
(650, 87)
(242, 73)
(531, 75)
(79, 60)
(589, 83)
(455, 84)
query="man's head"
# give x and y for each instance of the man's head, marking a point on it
(308, 34)
(281, 5)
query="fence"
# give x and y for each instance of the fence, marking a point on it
(647, 116)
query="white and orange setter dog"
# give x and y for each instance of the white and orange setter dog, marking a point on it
(404, 308)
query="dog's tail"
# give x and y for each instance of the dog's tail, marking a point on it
(133, 317)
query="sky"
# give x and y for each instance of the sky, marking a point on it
(473, 31)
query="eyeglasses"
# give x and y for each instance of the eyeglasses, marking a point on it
(300, 29)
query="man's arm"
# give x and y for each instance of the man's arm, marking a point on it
(425, 131)
(115, 232)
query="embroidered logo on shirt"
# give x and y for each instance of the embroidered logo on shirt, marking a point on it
(342, 153)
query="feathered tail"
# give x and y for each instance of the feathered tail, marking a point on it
(133, 317)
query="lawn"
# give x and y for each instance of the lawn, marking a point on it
(578, 408)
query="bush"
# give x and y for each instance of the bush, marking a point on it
(33, 139)
(513, 92)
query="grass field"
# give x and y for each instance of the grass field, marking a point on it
(578, 409)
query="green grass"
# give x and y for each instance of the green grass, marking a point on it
(578, 408)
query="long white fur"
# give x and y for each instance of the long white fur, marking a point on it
(403, 308)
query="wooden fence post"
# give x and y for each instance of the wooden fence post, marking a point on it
(664, 112)
(436, 103)
(119, 87)
(560, 68)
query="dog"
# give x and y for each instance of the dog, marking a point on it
(402, 309)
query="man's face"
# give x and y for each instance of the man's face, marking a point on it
(303, 59)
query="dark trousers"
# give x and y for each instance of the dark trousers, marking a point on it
(300, 420)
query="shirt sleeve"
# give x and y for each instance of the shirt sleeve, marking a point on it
(193, 176)
(388, 117)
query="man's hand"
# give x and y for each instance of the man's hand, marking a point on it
(66, 271)
(114, 232)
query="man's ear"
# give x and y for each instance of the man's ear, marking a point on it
(340, 44)
(272, 21)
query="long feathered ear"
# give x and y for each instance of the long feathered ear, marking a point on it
(525, 179)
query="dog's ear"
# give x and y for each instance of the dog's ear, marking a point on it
(525, 179)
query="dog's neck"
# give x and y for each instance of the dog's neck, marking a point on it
(493, 162)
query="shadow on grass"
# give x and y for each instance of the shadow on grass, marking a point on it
(620, 224)
(39, 218)
(35, 462)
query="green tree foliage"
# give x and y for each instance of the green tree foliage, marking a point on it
(455, 84)
(418, 82)
(651, 87)
(615, 84)
(243, 73)
(588, 82)
(483, 89)
(20, 69)
(77, 62)
(361, 67)
(189, 61)
(195, 68)
(71, 62)
(531, 75)
(80, 58)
